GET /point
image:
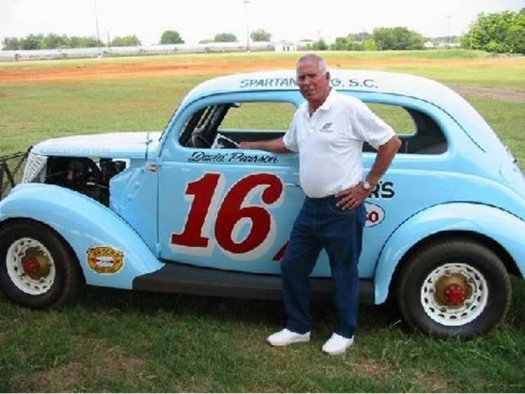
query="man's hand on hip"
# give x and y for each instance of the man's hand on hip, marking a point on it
(350, 198)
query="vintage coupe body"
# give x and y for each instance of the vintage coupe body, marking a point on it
(188, 211)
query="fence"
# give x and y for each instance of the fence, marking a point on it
(72, 53)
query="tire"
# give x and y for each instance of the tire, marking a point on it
(454, 288)
(37, 267)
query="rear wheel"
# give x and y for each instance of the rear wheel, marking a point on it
(37, 268)
(454, 288)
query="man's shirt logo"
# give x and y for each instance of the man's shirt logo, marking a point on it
(326, 128)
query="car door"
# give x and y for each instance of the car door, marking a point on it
(221, 206)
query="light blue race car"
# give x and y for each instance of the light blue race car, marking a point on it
(188, 211)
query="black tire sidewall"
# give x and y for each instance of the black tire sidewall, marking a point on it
(466, 252)
(62, 258)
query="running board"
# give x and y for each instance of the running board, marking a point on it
(186, 279)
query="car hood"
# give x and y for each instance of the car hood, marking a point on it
(131, 145)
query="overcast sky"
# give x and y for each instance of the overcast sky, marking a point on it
(196, 20)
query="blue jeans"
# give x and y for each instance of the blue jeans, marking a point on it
(321, 224)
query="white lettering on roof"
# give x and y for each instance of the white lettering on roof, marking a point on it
(366, 83)
(268, 83)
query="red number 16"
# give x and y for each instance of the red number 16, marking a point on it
(231, 214)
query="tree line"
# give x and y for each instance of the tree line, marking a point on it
(502, 32)
(55, 41)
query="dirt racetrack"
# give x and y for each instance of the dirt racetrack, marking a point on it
(184, 66)
(104, 69)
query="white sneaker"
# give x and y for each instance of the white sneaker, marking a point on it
(337, 344)
(286, 337)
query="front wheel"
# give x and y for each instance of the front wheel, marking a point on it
(37, 268)
(454, 288)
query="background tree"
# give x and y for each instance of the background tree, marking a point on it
(225, 37)
(347, 43)
(171, 37)
(319, 45)
(32, 41)
(498, 32)
(361, 37)
(370, 45)
(11, 43)
(126, 41)
(397, 38)
(84, 42)
(260, 35)
(52, 41)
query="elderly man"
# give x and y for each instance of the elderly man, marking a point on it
(328, 132)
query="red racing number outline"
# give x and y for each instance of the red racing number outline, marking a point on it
(232, 214)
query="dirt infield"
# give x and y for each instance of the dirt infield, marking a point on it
(500, 94)
(188, 66)
(107, 69)
(142, 69)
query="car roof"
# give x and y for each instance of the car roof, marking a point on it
(362, 81)
(347, 80)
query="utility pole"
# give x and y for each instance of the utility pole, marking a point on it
(98, 33)
(247, 10)
(448, 30)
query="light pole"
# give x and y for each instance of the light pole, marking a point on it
(98, 33)
(247, 9)
(448, 30)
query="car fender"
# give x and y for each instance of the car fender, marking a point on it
(108, 249)
(495, 223)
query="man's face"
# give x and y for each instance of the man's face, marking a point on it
(313, 83)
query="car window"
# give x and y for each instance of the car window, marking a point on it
(397, 117)
(419, 133)
(225, 125)
(260, 116)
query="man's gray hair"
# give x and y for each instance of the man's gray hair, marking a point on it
(320, 61)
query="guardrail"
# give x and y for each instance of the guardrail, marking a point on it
(76, 53)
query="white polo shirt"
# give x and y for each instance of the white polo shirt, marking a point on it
(330, 143)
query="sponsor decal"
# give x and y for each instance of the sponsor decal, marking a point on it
(374, 214)
(366, 83)
(268, 83)
(105, 259)
(384, 191)
(352, 83)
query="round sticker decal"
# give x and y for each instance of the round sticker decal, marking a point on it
(374, 214)
(105, 259)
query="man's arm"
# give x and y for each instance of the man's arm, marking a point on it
(276, 145)
(350, 198)
(385, 154)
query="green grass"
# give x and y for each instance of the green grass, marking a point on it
(119, 341)
(32, 112)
